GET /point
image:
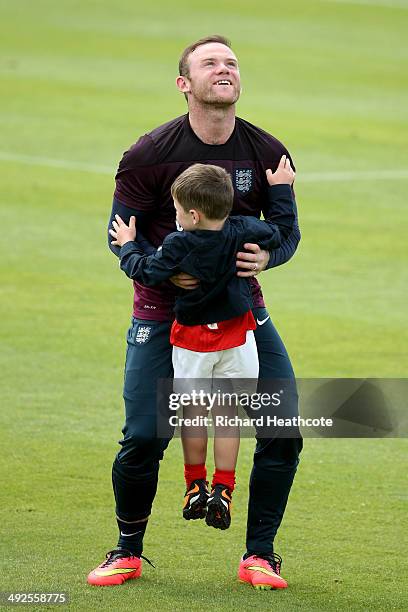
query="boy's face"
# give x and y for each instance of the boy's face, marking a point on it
(187, 220)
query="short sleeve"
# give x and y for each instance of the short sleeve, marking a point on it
(135, 178)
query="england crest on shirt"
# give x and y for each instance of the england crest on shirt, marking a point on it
(243, 179)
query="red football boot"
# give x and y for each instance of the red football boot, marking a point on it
(119, 566)
(262, 572)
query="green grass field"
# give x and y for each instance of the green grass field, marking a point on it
(80, 82)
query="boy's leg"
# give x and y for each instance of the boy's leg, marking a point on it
(194, 443)
(190, 368)
(239, 367)
(223, 481)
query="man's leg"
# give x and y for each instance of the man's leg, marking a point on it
(275, 460)
(136, 466)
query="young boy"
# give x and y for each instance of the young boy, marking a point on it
(212, 335)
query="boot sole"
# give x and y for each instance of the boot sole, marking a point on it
(217, 515)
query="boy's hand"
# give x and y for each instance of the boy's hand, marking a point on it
(121, 232)
(284, 174)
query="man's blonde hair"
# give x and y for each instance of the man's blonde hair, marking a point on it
(184, 69)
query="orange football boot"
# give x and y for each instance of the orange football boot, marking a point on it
(195, 500)
(262, 572)
(219, 507)
(119, 566)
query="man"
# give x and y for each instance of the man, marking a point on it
(210, 133)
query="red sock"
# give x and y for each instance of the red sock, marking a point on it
(224, 477)
(194, 472)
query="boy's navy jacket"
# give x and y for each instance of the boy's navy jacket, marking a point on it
(210, 256)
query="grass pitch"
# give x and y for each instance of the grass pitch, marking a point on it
(80, 82)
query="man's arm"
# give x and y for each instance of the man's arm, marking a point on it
(125, 212)
(135, 188)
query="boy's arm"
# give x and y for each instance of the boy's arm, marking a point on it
(149, 269)
(289, 243)
(280, 213)
(255, 258)
(276, 227)
(281, 209)
(269, 233)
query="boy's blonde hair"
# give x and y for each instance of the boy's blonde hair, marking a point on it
(205, 188)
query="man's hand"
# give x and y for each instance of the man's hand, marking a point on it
(284, 174)
(252, 263)
(185, 281)
(121, 232)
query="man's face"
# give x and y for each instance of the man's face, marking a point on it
(213, 75)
